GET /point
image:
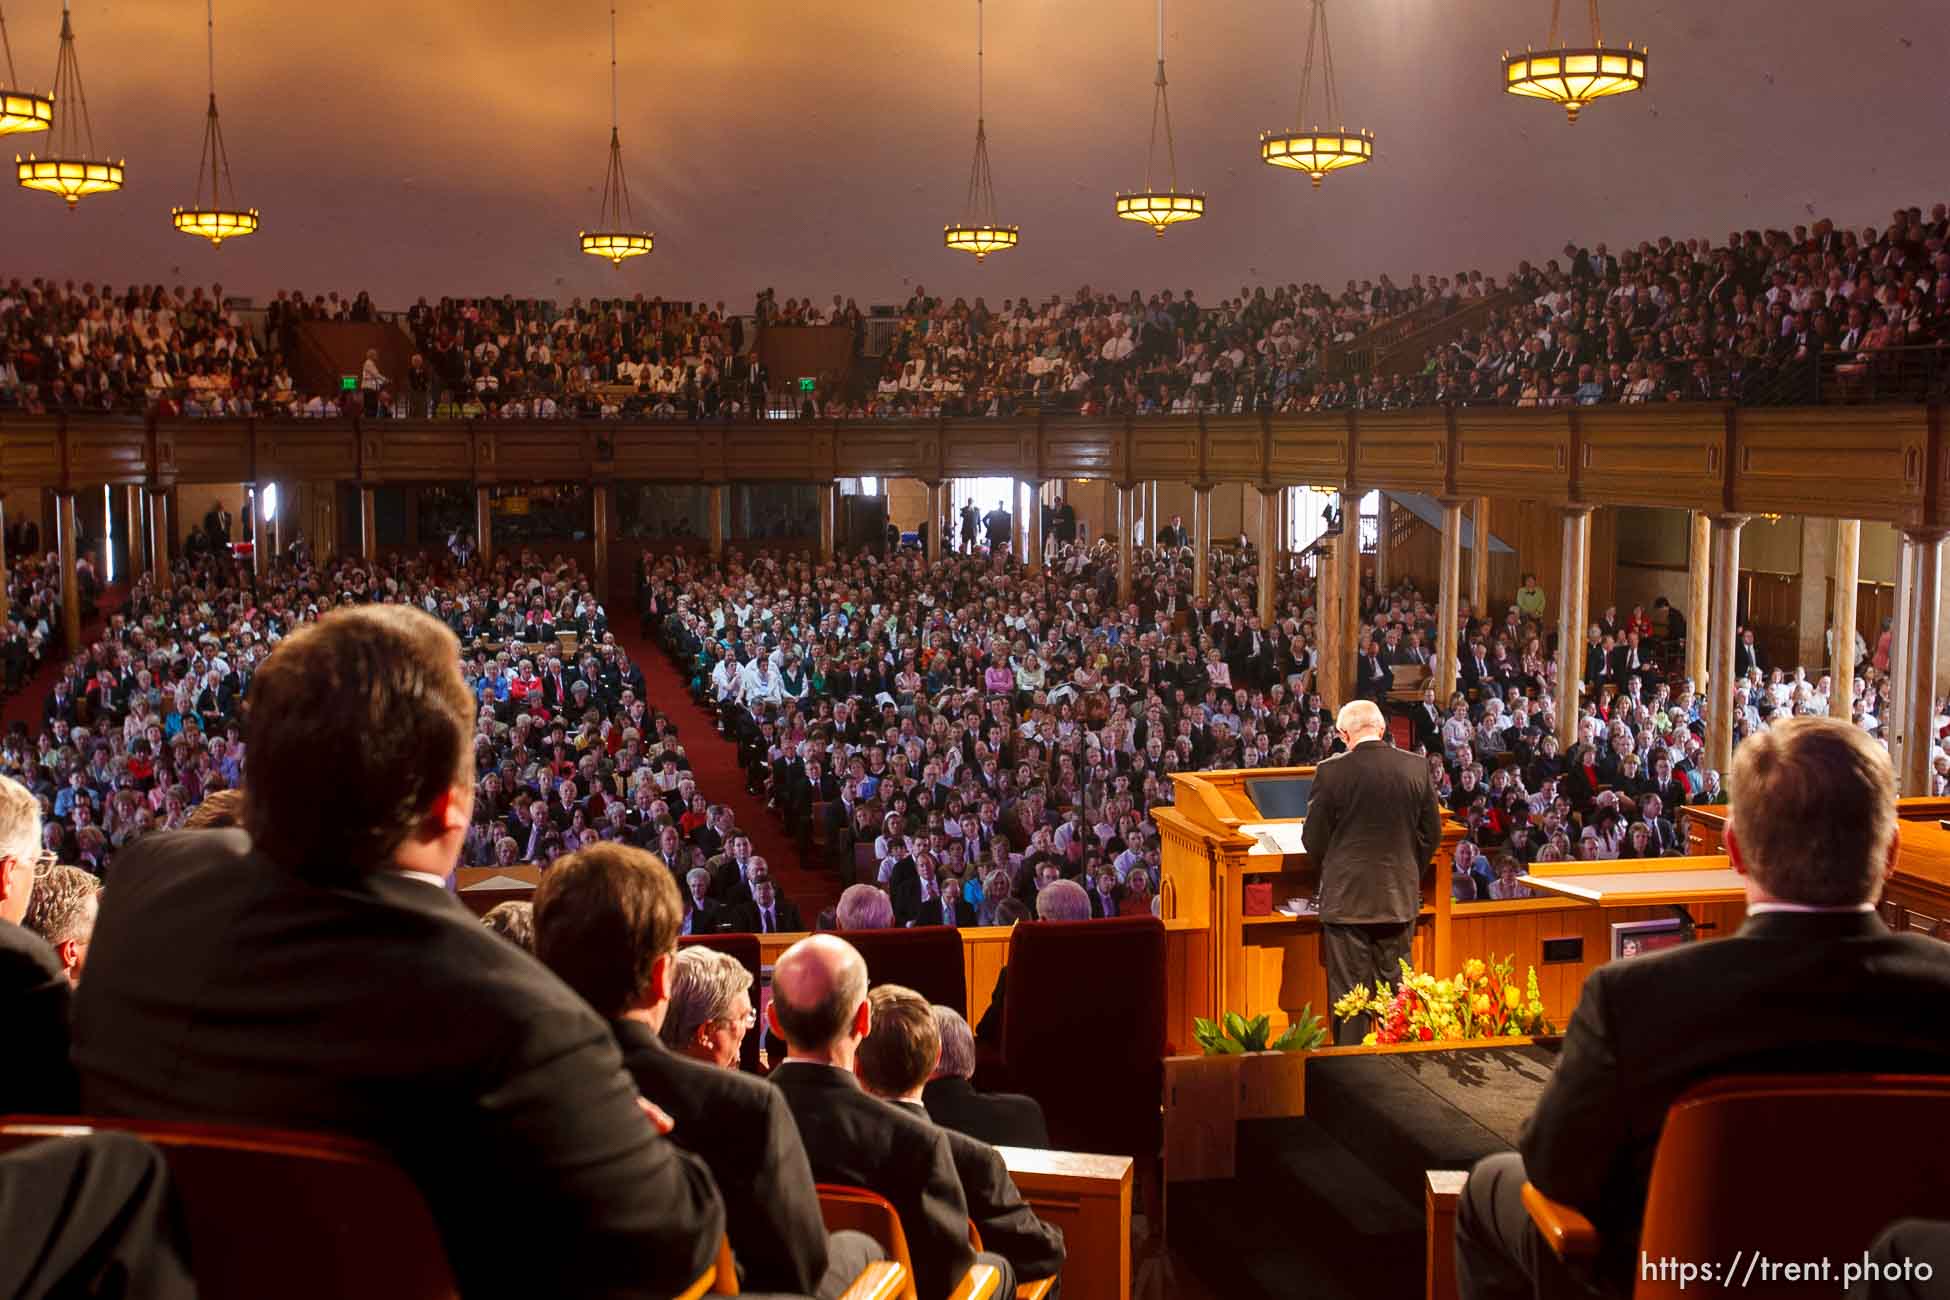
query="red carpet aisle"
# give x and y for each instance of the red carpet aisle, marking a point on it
(714, 760)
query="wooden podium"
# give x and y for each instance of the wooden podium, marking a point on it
(1272, 963)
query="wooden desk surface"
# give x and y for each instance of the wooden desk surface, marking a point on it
(1641, 882)
(1089, 1198)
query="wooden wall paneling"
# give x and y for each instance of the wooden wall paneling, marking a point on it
(668, 453)
(538, 454)
(1166, 449)
(105, 453)
(759, 454)
(297, 450)
(1604, 559)
(981, 448)
(30, 453)
(1653, 455)
(1770, 603)
(418, 451)
(1403, 449)
(1235, 450)
(907, 449)
(1505, 453)
(1312, 449)
(1092, 450)
(1802, 461)
(209, 451)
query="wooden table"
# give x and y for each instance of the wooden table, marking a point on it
(1089, 1198)
(1641, 882)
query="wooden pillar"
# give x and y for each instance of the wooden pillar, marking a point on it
(1479, 566)
(138, 536)
(159, 547)
(324, 516)
(70, 589)
(1347, 590)
(599, 509)
(1726, 633)
(1331, 655)
(483, 526)
(1848, 576)
(717, 521)
(1035, 524)
(829, 518)
(254, 502)
(1448, 599)
(1699, 560)
(1574, 598)
(1269, 554)
(1921, 620)
(368, 525)
(1201, 539)
(1383, 538)
(1126, 521)
(934, 521)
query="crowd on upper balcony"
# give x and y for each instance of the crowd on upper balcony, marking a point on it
(1760, 317)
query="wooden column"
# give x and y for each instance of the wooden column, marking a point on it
(1848, 576)
(1347, 590)
(599, 509)
(1448, 599)
(254, 502)
(934, 521)
(273, 530)
(1035, 524)
(138, 534)
(1331, 656)
(159, 547)
(1019, 520)
(70, 589)
(1269, 554)
(368, 525)
(1126, 521)
(1574, 598)
(1921, 621)
(717, 520)
(1479, 558)
(1382, 539)
(1201, 539)
(1726, 633)
(829, 512)
(483, 526)
(1699, 615)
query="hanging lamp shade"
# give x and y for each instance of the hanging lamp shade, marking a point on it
(70, 167)
(1574, 77)
(1160, 208)
(616, 236)
(222, 218)
(1318, 150)
(21, 111)
(978, 231)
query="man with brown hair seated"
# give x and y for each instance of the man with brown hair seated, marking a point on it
(315, 973)
(894, 1063)
(1813, 981)
(606, 921)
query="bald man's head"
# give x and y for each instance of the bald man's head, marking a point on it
(1360, 720)
(819, 992)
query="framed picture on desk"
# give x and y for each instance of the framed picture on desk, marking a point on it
(1636, 938)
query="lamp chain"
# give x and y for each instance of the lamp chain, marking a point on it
(1550, 43)
(13, 78)
(1597, 37)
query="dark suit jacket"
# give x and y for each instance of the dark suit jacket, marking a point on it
(34, 1010)
(744, 918)
(1008, 1226)
(1791, 992)
(707, 919)
(855, 1138)
(1004, 1119)
(224, 987)
(1373, 827)
(740, 1126)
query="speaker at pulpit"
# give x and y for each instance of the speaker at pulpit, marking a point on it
(1229, 829)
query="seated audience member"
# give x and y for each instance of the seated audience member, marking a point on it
(34, 984)
(1004, 1119)
(900, 1052)
(766, 913)
(606, 922)
(92, 1216)
(863, 907)
(1812, 982)
(314, 973)
(819, 1007)
(710, 1007)
(62, 911)
(514, 922)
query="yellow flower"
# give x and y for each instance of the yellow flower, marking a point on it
(1481, 1005)
(1473, 969)
(1368, 1040)
(1513, 995)
(1443, 989)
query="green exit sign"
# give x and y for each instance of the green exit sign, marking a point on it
(348, 382)
(805, 384)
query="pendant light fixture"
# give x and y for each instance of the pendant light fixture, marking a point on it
(979, 233)
(21, 111)
(1154, 207)
(1318, 150)
(615, 236)
(223, 219)
(70, 169)
(1574, 77)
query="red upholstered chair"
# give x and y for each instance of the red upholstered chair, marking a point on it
(302, 1216)
(1083, 1031)
(744, 947)
(927, 959)
(1743, 1162)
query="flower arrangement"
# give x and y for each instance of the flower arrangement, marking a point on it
(1483, 1000)
(1235, 1035)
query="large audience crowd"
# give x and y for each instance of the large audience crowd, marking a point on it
(1750, 320)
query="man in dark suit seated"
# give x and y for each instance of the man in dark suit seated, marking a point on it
(767, 913)
(606, 922)
(34, 988)
(1813, 981)
(894, 1064)
(316, 973)
(1374, 677)
(1004, 1119)
(819, 1007)
(92, 1216)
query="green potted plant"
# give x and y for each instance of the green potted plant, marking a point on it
(1234, 1035)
